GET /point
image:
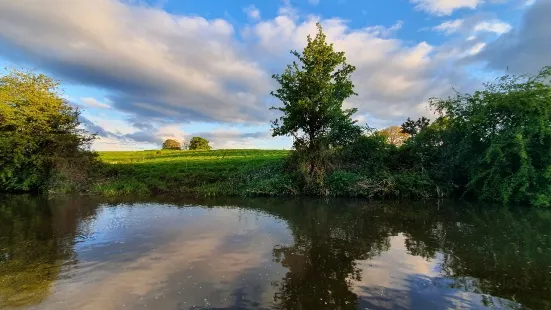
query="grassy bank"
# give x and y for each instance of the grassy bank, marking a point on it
(247, 173)
(204, 173)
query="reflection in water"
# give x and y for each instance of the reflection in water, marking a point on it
(35, 242)
(271, 254)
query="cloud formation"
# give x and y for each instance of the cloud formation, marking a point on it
(109, 138)
(93, 102)
(473, 24)
(495, 26)
(526, 49)
(445, 7)
(450, 26)
(175, 67)
(187, 68)
(252, 12)
(393, 79)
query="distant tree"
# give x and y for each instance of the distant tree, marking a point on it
(312, 91)
(41, 141)
(394, 135)
(198, 143)
(171, 144)
(412, 127)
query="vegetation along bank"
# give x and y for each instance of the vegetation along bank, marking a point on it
(492, 145)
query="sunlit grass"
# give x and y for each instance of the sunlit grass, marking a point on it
(216, 172)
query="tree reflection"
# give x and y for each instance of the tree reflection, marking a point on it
(495, 251)
(36, 236)
(505, 253)
(322, 262)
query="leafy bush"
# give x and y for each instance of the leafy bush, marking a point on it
(41, 143)
(494, 144)
(369, 154)
(342, 183)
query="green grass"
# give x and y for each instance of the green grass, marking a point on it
(205, 173)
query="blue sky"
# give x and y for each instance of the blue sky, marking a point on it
(143, 71)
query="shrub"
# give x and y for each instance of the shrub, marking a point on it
(342, 183)
(496, 144)
(40, 137)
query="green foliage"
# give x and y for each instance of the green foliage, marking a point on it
(171, 144)
(206, 173)
(412, 127)
(369, 154)
(198, 143)
(312, 92)
(494, 144)
(40, 138)
(342, 183)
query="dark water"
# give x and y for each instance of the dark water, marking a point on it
(271, 254)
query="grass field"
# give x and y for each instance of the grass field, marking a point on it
(205, 173)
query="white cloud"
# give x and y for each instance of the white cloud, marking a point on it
(495, 26)
(252, 12)
(314, 2)
(382, 31)
(473, 25)
(187, 68)
(93, 102)
(525, 49)
(450, 26)
(288, 10)
(392, 78)
(445, 7)
(224, 138)
(177, 67)
(170, 132)
(476, 49)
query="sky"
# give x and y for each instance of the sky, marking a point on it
(145, 71)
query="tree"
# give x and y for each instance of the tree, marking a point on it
(394, 135)
(412, 127)
(171, 144)
(312, 92)
(198, 143)
(41, 143)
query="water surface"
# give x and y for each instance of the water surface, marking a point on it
(167, 253)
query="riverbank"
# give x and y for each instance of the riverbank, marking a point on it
(249, 172)
(200, 173)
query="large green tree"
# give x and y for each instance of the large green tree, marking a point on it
(41, 143)
(312, 91)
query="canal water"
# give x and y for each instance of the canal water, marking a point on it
(175, 253)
